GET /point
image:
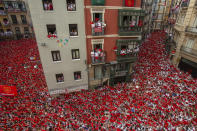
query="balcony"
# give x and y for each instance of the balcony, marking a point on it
(185, 4)
(118, 73)
(189, 51)
(10, 36)
(2, 12)
(130, 22)
(15, 6)
(128, 31)
(98, 2)
(191, 30)
(98, 57)
(98, 28)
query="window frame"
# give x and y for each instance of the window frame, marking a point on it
(74, 73)
(73, 55)
(47, 7)
(59, 75)
(68, 4)
(56, 53)
(16, 22)
(23, 19)
(70, 26)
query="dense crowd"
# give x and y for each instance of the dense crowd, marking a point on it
(160, 97)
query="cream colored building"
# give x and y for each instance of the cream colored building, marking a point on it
(60, 34)
(185, 36)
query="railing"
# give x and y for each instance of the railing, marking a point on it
(127, 55)
(119, 73)
(191, 29)
(2, 12)
(4, 37)
(189, 50)
(126, 30)
(98, 57)
(98, 30)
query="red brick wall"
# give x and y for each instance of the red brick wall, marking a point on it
(111, 20)
(113, 2)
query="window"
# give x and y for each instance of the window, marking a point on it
(195, 22)
(21, 6)
(73, 30)
(71, 5)
(26, 30)
(190, 43)
(56, 55)
(60, 78)
(17, 29)
(51, 29)
(77, 75)
(47, 4)
(75, 54)
(23, 19)
(14, 19)
(5, 21)
(2, 12)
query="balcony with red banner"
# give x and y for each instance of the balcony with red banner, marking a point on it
(98, 28)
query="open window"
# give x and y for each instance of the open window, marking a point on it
(77, 75)
(5, 21)
(47, 5)
(71, 5)
(59, 78)
(51, 29)
(73, 30)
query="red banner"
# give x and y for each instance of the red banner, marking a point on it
(129, 3)
(8, 90)
(97, 29)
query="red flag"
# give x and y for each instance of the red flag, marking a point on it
(129, 3)
(8, 90)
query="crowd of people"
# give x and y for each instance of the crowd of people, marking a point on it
(160, 97)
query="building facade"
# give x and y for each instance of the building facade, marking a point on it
(18, 18)
(185, 32)
(158, 14)
(147, 7)
(5, 25)
(113, 36)
(60, 34)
